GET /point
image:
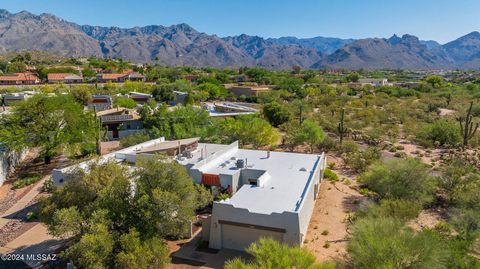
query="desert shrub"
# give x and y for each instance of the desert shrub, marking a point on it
(330, 175)
(387, 243)
(327, 144)
(25, 180)
(401, 179)
(360, 160)
(442, 132)
(134, 139)
(348, 147)
(392, 208)
(48, 185)
(268, 253)
(223, 196)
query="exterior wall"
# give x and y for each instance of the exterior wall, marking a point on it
(308, 203)
(8, 162)
(122, 133)
(295, 223)
(227, 212)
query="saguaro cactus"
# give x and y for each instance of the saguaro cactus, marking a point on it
(342, 130)
(467, 126)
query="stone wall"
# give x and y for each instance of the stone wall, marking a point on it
(8, 162)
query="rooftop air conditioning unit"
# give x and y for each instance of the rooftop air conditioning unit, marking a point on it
(240, 163)
(188, 154)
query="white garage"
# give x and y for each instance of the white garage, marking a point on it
(239, 236)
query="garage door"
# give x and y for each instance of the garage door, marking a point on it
(240, 235)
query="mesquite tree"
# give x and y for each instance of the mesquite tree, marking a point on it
(468, 128)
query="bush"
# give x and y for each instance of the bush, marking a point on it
(348, 147)
(134, 139)
(401, 179)
(441, 132)
(276, 113)
(387, 243)
(360, 160)
(330, 175)
(327, 144)
(223, 196)
(393, 208)
(48, 185)
(25, 180)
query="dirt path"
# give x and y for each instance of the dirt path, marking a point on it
(327, 233)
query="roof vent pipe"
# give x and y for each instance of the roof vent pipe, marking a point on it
(268, 154)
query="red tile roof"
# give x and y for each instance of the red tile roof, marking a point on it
(113, 76)
(19, 77)
(57, 76)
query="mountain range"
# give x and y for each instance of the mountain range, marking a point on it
(182, 45)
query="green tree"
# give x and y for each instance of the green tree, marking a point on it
(276, 113)
(435, 81)
(353, 77)
(311, 133)
(270, 254)
(135, 254)
(111, 227)
(16, 67)
(46, 122)
(125, 102)
(402, 179)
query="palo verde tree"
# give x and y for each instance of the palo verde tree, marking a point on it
(46, 122)
(468, 127)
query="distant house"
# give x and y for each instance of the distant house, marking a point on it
(120, 77)
(64, 78)
(374, 82)
(179, 98)
(25, 78)
(246, 90)
(190, 77)
(100, 102)
(227, 109)
(139, 98)
(120, 122)
(9, 99)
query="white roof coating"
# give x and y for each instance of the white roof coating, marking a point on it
(288, 176)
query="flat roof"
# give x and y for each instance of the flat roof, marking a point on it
(289, 175)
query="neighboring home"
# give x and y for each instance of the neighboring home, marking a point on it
(191, 77)
(408, 84)
(238, 78)
(25, 78)
(120, 122)
(100, 102)
(139, 98)
(272, 193)
(374, 82)
(227, 109)
(179, 98)
(246, 90)
(64, 78)
(120, 77)
(11, 98)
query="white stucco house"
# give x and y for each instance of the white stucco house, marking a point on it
(272, 193)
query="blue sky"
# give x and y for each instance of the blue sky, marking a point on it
(440, 20)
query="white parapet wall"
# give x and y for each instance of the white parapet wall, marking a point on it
(59, 176)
